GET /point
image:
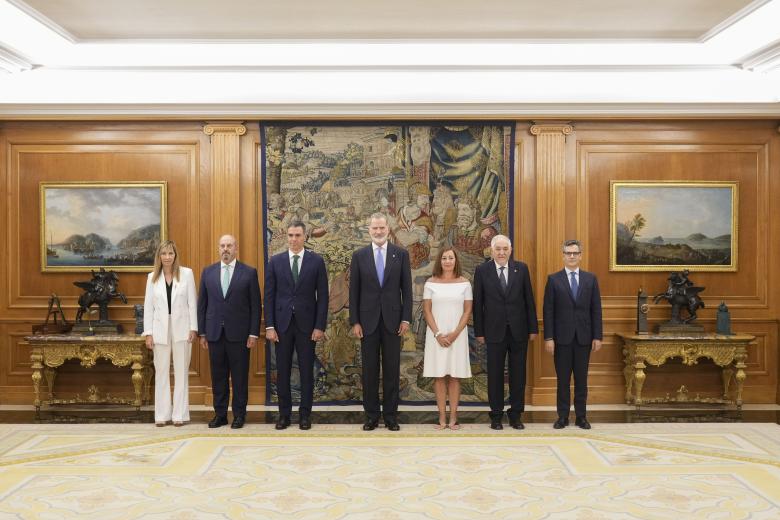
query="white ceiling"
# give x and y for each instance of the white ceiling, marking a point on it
(244, 58)
(85, 20)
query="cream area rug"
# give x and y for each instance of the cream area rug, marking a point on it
(614, 471)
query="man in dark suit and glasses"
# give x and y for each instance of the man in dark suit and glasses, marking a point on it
(572, 330)
(228, 326)
(505, 318)
(296, 310)
(380, 310)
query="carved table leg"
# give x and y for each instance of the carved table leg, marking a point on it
(138, 379)
(639, 381)
(728, 373)
(628, 374)
(740, 377)
(147, 395)
(36, 359)
(50, 374)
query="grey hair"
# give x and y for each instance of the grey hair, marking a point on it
(378, 216)
(500, 237)
(569, 243)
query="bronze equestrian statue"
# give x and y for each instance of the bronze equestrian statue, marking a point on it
(100, 290)
(681, 293)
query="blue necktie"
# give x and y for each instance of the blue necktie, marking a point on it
(380, 266)
(574, 285)
(225, 280)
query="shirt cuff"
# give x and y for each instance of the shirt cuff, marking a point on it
(252, 336)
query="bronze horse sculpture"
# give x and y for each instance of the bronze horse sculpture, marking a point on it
(681, 293)
(100, 290)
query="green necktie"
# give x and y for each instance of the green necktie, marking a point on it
(295, 269)
(225, 280)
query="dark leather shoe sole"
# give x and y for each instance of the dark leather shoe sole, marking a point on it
(282, 423)
(304, 425)
(371, 425)
(583, 423)
(237, 424)
(560, 423)
(216, 422)
(393, 427)
(517, 425)
(496, 426)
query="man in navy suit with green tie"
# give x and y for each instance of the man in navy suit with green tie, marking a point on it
(296, 310)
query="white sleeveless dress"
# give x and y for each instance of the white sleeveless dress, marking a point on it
(447, 308)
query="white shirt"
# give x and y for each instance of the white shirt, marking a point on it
(506, 271)
(230, 271)
(576, 275)
(300, 258)
(383, 248)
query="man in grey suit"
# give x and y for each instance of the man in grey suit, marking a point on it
(572, 330)
(380, 310)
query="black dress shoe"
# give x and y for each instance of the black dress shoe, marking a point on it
(304, 423)
(238, 422)
(495, 424)
(393, 426)
(582, 422)
(217, 421)
(283, 422)
(517, 424)
(370, 424)
(562, 422)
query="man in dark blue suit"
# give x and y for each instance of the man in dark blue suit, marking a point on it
(572, 329)
(505, 319)
(296, 309)
(380, 310)
(228, 326)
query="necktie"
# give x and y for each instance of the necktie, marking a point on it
(574, 285)
(295, 269)
(225, 279)
(380, 266)
(502, 278)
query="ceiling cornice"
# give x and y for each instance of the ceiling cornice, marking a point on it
(76, 112)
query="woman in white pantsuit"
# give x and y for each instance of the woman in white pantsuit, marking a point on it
(170, 327)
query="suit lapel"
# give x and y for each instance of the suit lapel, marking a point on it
(493, 276)
(511, 276)
(564, 280)
(174, 288)
(390, 260)
(233, 279)
(286, 268)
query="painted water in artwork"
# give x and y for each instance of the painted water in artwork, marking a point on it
(87, 227)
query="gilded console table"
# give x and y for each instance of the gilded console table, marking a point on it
(50, 351)
(728, 352)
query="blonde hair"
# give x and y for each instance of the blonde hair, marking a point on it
(166, 244)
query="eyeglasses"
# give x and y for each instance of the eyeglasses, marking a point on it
(572, 253)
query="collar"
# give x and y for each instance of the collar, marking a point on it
(375, 247)
(290, 254)
(568, 272)
(499, 266)
(231, 264)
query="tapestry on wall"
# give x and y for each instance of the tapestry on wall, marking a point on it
(439, 184)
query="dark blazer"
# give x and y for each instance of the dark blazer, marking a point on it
(238, 311)
(494, 309)
(566, 320)
(308, 299)
(367, 300)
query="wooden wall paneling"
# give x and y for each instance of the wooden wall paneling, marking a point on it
(35, 152)
(738, 151)
(550, 180)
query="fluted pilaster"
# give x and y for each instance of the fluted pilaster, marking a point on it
(225, 188)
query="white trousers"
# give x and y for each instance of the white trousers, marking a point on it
(182, 352)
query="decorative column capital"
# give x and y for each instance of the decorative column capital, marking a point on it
(551, 128)
(224, 127)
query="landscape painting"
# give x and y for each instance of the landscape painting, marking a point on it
(666, 226)
(85, 226)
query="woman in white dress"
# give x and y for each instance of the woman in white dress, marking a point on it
(170, 327)
(447, 309)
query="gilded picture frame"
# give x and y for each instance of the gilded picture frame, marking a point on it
(89, 225)
(670, 226)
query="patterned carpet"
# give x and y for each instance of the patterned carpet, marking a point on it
(615, 471)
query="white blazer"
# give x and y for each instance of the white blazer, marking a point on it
(184, 307)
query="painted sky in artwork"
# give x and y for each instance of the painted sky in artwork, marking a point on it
(676, 212)
(109, 212)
